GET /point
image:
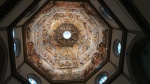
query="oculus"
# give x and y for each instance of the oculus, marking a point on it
(33, 79)
(13, 33)
(117, 47)
(101, 78)
(67, 34)
(17, 47)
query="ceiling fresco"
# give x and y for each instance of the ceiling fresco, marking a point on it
(66, 40)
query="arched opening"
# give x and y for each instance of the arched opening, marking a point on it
(3, 60)
(138, 62)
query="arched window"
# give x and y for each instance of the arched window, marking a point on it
(105, 13)
(117, 47)
(101, 78)
(33, 79)
(17, 47)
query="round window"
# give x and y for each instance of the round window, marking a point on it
(17, 47)
(105, 13)
(117, 47)
(33, 79)
(101, 78)
(13, 33)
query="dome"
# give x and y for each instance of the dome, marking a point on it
(66, 40)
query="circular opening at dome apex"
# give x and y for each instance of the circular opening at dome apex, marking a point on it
(67, 34)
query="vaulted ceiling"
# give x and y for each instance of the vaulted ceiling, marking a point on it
(61, 57)
(66, 42)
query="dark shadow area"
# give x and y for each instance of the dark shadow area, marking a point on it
(138, 63)
(3, 60)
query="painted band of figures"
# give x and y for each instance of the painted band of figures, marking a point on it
(51, 55)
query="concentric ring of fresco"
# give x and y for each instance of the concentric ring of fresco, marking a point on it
(66, 63)
(60, 33)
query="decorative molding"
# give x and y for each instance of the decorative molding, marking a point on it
(7, 7)
(136, 15)
(11, 44)
(126, 76)
(123, 43)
